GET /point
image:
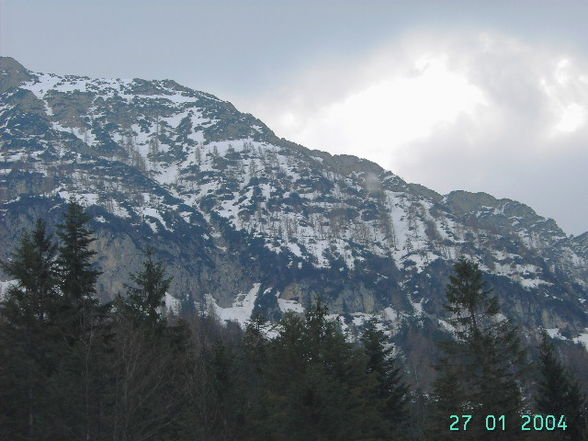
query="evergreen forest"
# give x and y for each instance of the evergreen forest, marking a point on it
(76, 369)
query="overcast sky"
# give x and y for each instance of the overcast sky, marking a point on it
(477, 95)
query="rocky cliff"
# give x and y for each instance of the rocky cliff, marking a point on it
(249, 222)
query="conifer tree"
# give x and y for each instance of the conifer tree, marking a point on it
(27, 336)
(81, 375)
(253, 364)
(33, 266)
(224, 402)
(146, 383)
(390, 387)
(558, 393)
(255, 341)
(485, 363)
(151, 358)
(146, 299)
(75, 258)
(327, 394)
(449, 399)
(77, 273)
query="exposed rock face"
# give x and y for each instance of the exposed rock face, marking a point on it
(247, 221)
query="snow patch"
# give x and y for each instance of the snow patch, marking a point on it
(418, 307)
(533, 283)
(360, 318)
(152, 212)
(390, 314)
(172, 304)
(447, 326)
(241, 309)
(5, 286)
(290, 305)
(583, 338)
(554, 333)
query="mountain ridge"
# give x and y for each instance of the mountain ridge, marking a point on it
(251, 222)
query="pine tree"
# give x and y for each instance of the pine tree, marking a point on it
(558, 393)
(327, 394)
(252, 366)
(77, 273)
(485, 364)
(449, 399)
(27, 337)
(150, 357)
(225, 403)
(255, 341)
(390, 388)
(33, 265)
(81, 375)
(146, 382)
(75, 258)
(146, 299)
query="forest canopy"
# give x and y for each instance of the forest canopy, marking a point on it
(74, 368)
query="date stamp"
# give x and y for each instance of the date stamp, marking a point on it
(499, 422)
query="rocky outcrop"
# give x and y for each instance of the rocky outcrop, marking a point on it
(249, 222)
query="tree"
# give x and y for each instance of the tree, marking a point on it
(27, 336)
(77, 273)
(33, 266)
(146, 378)
(252, 366)
(81, 321)
(150, 358)
(390, 389)
(326, 394)
(558, 393)
(224, 401)
(146, 299)
(75, 258)
(450, 398)
(482, 369)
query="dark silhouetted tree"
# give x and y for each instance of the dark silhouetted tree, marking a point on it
(558, 393)
(327, 394)
(77, 272)
(146, 299)
(390, 388)
(81, 321)
(28, 337)
(483, 368)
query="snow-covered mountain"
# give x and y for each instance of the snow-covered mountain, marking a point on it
(247, 221)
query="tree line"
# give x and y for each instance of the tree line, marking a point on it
(72, 368)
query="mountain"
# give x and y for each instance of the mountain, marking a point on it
(248, 222)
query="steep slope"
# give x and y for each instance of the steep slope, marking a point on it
(248, 221)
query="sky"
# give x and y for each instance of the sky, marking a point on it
(485, 96)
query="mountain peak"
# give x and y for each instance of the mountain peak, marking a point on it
(10, 64)
(12, 74)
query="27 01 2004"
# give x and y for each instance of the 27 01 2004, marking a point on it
(498, 422)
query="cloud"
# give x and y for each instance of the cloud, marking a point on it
(480, 111)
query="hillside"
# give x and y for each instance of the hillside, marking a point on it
(248, 222)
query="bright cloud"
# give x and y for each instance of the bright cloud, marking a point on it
(383, 117)
(572, 118)
(478, 111)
